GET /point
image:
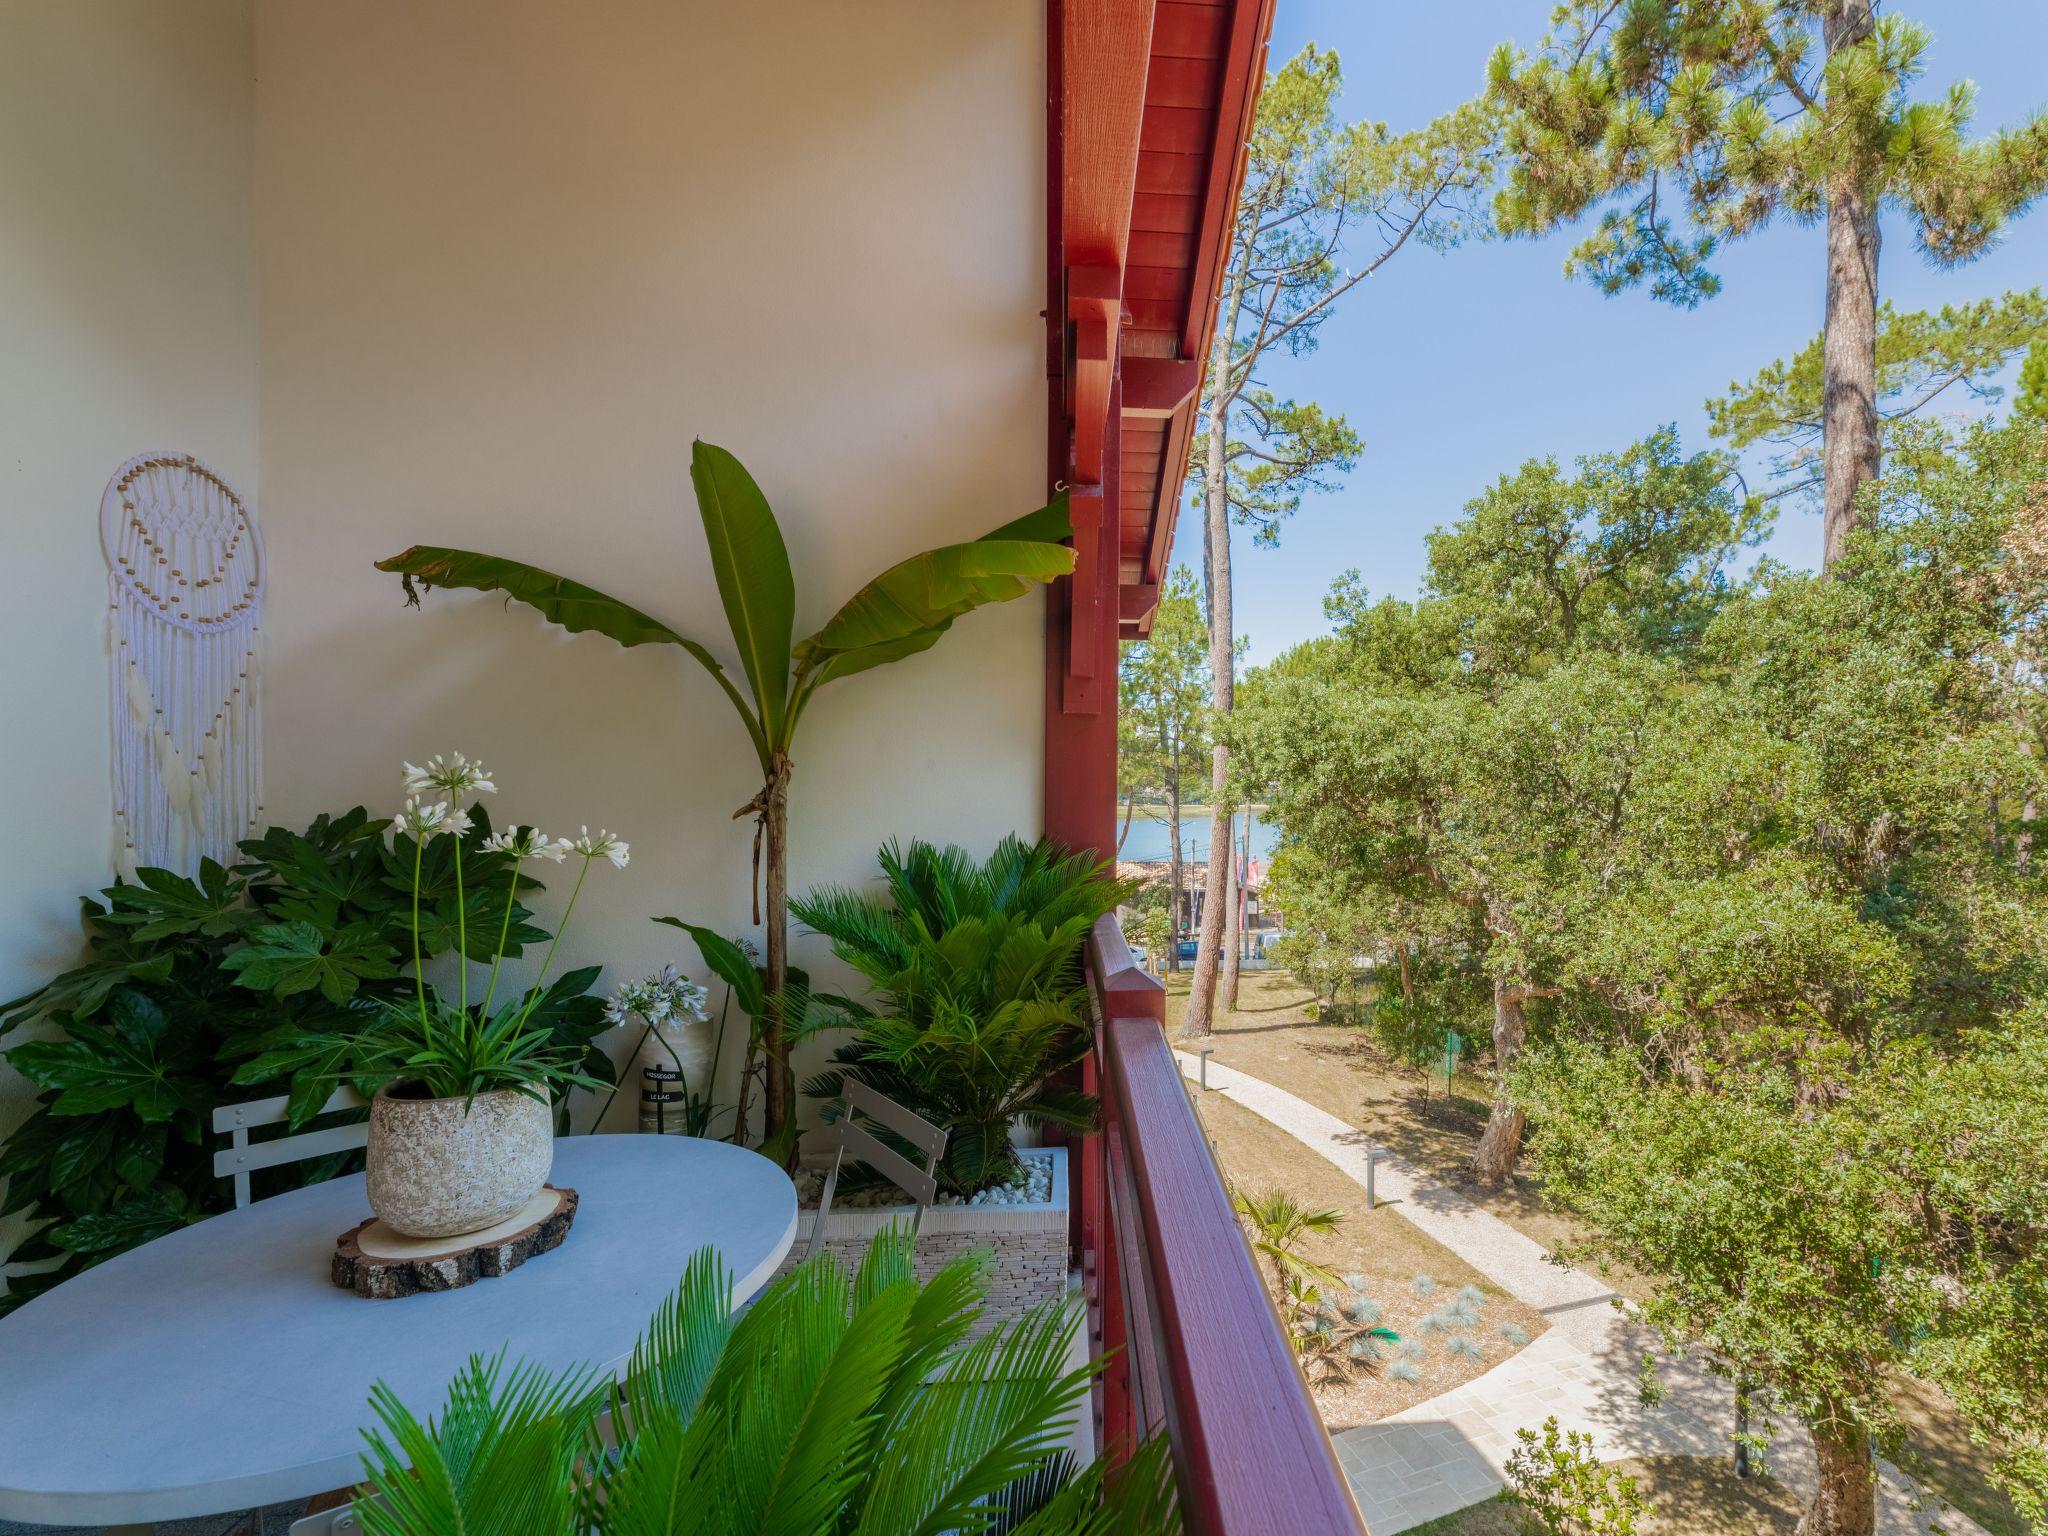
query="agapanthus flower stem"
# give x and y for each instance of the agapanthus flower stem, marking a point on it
(461, 930)
(549, 958)
(504, 930)
(419, 975)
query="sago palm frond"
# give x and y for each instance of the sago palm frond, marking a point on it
(831, 1407)
(1001, 1408)
(1101, 1501)
(675, 1358)
(497, 1461)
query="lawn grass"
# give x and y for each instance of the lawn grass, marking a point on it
(1691, 1496)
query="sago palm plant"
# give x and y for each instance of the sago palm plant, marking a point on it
(830, 1408)
(982, 1007)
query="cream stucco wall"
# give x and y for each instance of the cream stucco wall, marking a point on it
(512, 257)
(127, 322)
(475, 272)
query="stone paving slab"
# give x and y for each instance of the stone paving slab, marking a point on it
(1451, 1451)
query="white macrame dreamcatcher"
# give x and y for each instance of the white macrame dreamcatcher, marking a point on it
(185, 592)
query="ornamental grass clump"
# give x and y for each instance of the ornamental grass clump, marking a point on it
(432, 1045)
(981, 1004)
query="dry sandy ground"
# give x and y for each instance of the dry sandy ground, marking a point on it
(1388, 1252)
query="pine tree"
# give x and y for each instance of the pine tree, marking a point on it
(1701, 121)
(2032, 401)
(1163, 686)
(1314, 188)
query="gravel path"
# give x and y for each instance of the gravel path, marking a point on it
(1449, 1452)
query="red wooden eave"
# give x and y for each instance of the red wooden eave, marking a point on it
(1148, 105)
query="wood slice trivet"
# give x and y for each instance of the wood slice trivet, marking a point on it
(377, 1263)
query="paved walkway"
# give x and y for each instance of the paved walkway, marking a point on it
(1448, 1452)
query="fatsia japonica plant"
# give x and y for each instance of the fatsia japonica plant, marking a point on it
(902, 611)
(980, 999)
(183, 981)
(828, 1408)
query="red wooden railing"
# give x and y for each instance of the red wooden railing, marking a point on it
(1192, 1344)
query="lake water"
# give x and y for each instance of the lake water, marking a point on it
(1149, 839)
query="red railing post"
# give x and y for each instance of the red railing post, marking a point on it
(1200, 1351)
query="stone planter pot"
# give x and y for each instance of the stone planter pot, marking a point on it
(445, 1167)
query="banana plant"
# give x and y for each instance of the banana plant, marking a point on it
(901, 612)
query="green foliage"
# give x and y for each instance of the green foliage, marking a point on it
(448, 1051)
(186, 984)
(826, 1408)
(1163, 694)
(977, 968)
(1773, 872)
(1825, 1223)
(2031, 404)
(901, 612)
(1561, 1489)
(1702, 123)
(1921, 355)
(904, 610)
(1630, 555)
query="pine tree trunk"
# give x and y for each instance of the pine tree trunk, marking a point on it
(1179, 875)
(778, 1101)
(1845, 1502)
(1851, 450)
(1215, 889)
(1222, 657)
(1233, 928)
(1493, 1161)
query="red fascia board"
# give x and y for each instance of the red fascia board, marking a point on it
(1240, 76)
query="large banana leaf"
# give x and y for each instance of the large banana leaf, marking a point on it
(1048, 525)
(577, 608)
(932, 588)
(751, 566)
(928, 591)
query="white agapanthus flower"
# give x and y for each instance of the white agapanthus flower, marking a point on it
(666, 996)
(457, 775)
(526, 843)
(422, 820)
(601, 846)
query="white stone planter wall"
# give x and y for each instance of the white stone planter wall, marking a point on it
(1028, 1242)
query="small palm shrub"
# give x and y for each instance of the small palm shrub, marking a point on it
(829, 1407)
(1333, 1328)
(982, 1006)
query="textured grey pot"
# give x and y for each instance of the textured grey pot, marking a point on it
(444, 1167)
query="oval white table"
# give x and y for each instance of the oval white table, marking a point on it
(218, 1368)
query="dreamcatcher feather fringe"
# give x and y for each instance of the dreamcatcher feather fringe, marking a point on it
(184, 599)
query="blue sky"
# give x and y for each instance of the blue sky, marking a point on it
(1458, 367)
